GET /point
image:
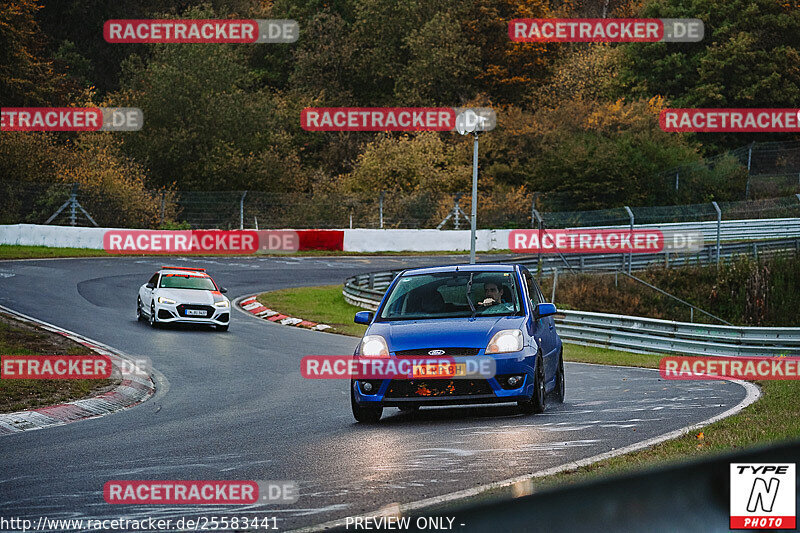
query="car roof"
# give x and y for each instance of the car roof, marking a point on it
(483, 267)
(199, 272)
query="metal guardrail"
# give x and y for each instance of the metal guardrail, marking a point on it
(729, 230)
(649, 335)
(606, 262)
(629, 333)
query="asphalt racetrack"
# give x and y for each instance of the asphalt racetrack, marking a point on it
(234, 406)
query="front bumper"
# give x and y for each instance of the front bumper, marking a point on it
(396, 393)
(183, 313)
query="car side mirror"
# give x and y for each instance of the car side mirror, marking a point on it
(223, 290)
(363, 317)
(150, 286)
(545, 309)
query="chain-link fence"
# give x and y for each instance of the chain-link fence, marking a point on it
(765, 177)
(66, 204)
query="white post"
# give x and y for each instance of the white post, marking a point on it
(719, 227)
(241, 210)
(630, 254)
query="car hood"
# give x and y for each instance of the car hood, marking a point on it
(191, 296)
(443, 332)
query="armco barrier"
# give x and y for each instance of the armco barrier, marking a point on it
(730, 230)
(629, 333)
(605, 262)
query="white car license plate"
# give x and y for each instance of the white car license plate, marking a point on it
(195, 312)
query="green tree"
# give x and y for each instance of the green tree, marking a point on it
(749, 57)
(442, 66)
(26, 76)
(207, 127)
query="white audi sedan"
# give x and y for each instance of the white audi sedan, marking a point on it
(186, 295)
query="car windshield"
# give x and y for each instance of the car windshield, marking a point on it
(186, 281)
(448, 295)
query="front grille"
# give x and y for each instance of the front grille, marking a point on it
(448, 352)
(184, 307)
(432, 388)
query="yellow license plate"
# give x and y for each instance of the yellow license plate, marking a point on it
(440, 370)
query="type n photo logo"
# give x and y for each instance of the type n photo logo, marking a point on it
(763, 496)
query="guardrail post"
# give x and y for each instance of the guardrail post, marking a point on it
(719, 227)
(691, 314)
(630, 254)
(540, 223)
(371, 283)
(241, 210)
(755, 250)
(555, 282)
(380, 207)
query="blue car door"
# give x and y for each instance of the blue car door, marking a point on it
(543, 329)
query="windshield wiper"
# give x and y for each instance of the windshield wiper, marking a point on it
(469, 300)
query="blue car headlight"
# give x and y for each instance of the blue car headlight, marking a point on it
(374, 346)
(505, 341)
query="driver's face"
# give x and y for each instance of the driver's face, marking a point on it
(492, 291)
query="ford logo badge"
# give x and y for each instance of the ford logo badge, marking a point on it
(435, 352)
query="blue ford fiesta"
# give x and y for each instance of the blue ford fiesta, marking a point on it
(460, 312)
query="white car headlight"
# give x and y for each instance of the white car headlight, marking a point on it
(163, 300)
(374, 346)
(223, 303)
(505, 341)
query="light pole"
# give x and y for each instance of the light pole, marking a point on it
(470, 122)
(473, 236)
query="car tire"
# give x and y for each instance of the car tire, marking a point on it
(139, 315)
(223, 328)
(560, 389)
(153, 320)
(364, 414)
(536, 403)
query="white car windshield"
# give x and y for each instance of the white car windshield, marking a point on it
(186, 281)
(449, 294)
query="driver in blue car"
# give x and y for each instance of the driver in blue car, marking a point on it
(493, 301)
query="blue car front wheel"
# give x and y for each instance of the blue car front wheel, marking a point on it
(536, 403)
(364, 413)
(560, 388)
